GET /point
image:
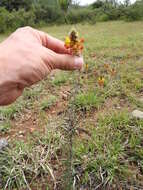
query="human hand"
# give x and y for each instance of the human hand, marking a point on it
(26, 57)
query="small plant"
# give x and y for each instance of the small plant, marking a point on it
(32, 93)
(87, 100)
(10, 112)
(47, 103)
(4, 127)
(60, 79)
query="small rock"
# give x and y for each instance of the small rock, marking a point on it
(52, 77)
(21, 132)
(137, 114)
(3, 143)
(64, 96)
(34, 122)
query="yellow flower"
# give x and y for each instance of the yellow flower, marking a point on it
(101, 81)
(86, 66)
(67, 41)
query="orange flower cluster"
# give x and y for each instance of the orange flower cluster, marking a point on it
(74, 44)
(106, 66)
(112, 71)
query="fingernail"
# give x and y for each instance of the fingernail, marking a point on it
(78, 62)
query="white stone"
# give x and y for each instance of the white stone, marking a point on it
(21, 132)
(3, 143)
(137, 114)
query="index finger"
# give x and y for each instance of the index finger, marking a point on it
(52, 43)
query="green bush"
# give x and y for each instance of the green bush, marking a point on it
(15, 19)
(134, 13)
(81, 15)
(4, 16)
(102, 17)
(11, 5)
(115, 14)
(25, 18)
(47, 14)
(40, 13)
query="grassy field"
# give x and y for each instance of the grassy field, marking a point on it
(67, 132)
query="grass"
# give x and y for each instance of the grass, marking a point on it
(87, 101)
(107, 141)
(5, 127)
(60, 79)
(116, 137)
(47, 103)
(10, 112)
(22, 162)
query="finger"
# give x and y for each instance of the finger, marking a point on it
(60, 61)
(68, 62)
(52, 43)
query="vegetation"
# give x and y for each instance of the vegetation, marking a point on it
(106, 149)
(75, 130)
(14, 14)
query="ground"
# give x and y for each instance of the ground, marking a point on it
(68, 132)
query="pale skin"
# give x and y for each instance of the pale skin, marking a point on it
(26, 57)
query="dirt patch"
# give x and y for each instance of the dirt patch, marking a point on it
(23, 126)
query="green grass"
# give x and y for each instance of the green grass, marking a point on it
(87, 100)
(5, 127)
(47, 103)
(115, 143)
(60, 79)
(107, 153)
(22, 162)
(11, 111)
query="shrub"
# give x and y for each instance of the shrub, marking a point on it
(134, 13)
(42, 13)
(49, 102)
(15, 19)
(102, 17)
(47, 14)
(4, 16)
(24, 18)
(87, 100)
(81, 15)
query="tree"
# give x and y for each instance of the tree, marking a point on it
(127, 3)
(97, 4)
(75, 2)
(16, 4)
(64, 4)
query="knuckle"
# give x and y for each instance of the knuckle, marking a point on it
(28, 28)
(25, 28)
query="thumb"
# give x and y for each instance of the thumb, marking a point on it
(68, 62)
